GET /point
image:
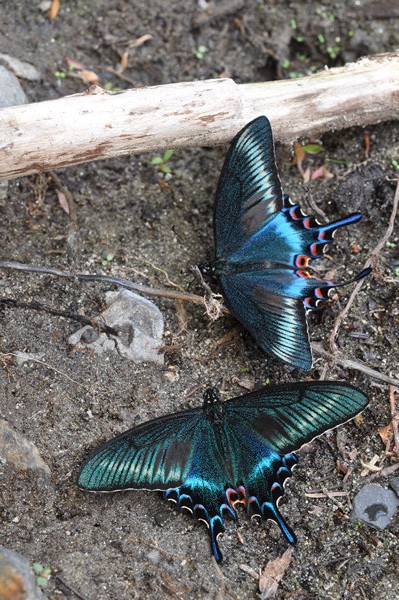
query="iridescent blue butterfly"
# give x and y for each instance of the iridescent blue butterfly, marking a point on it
(210, 459)
(263, 247)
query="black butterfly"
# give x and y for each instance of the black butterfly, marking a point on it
(263, 247)
(237, 452)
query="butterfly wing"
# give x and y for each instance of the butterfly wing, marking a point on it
(153, 455)
(263, 428)
(249, 190)
(179, 454)
(272, 304)
(263, 246)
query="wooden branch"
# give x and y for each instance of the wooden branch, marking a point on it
(97, 124)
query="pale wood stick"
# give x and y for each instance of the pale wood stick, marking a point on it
(97, 124)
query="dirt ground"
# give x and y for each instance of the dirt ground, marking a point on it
(135, 545)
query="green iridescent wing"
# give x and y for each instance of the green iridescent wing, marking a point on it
(155, 455)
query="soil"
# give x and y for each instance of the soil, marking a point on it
(134, 544)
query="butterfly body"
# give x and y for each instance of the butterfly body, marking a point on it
(210, 459)
(264, 244)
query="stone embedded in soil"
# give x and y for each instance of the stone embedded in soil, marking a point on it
(394, 483)
(11, 93)
(374, 505)
(21, 68)
(17, 581)
(19, 454)
(139, 323)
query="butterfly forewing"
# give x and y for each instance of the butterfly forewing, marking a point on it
(249, 190)
(285, 418)
(155, 455)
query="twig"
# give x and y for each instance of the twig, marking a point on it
(41, 362)
(372, 260)
(69, 587)
(173, 295)
(71, 214)
(60, 313)
(395, 419)
(348, 363)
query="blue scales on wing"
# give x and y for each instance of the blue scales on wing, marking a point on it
(263, 247)
(211, 459)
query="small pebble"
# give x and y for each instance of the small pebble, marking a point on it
(17, 581)
(374, 505)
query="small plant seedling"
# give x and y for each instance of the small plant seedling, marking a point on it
(199, 53)
(395, 164)
(42, 573)
(108, 259)
(160, 161)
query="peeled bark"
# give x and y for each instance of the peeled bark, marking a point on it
(97, 124)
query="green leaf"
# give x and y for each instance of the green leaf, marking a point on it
(42, 581)
(395, 164)
(167, 154)
(312, 148)
(390, 244)
(321, 39)
(157, 160)
(37, 567)
(397, 272)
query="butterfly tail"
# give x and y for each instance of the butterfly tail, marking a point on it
(318, 292)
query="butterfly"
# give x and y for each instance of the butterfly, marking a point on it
(210, 459)
(263, 245)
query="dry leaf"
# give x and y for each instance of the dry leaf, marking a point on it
(124, 61)
(54, 8)
(272, 574)
(63, 201)
(307, 175)
(385, 434)
(299, 156)
(88, 76)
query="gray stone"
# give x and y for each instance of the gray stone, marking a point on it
(21, 68)
(17, 581)
(11, 92)
(394, 483)
(374, 505)
(139, 324)
(18, 454)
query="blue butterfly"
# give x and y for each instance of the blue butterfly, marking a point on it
(210, 459)
(263, 247)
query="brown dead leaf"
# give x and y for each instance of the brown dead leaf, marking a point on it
(54, 8)
(63, 201)
(272, 574)
(299, 156)
(124, 61)
(385, 434)
(88, 77)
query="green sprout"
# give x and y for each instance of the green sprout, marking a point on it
(333, 51)
(293, 24)
(266, 381)
(312, 148)
(160, 161)
(397, 272)
(390, 244)
(321, 39)
(285, 63)
(60, 74)
(395, 164)
(199, 53)
(108, 259)
(43, 574)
